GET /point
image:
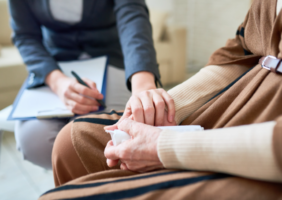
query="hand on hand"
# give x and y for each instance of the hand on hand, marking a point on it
(153, 107)
(138, 154)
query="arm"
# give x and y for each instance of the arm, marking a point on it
(27, 37)
(147, 103)
(42, 67)
(137, 44)
(244, 151)
(193, 93)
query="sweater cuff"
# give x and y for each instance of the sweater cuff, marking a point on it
(243, 150)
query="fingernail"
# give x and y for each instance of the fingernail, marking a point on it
(95, 108)
(171, 118)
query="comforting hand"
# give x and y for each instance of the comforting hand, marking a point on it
(78, 98)
(149, 107)
(153, 107)
(138, 154)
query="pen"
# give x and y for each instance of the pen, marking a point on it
(83, 83)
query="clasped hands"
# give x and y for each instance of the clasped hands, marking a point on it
(142, 112)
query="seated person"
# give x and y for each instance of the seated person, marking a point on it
(234, 98)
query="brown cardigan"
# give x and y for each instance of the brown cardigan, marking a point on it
(257, 96)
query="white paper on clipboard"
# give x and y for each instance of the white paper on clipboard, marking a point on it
(42, 102)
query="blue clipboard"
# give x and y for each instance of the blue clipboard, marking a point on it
(24, 86)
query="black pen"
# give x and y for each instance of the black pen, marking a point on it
(83, 83)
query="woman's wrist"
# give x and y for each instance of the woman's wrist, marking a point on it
(141, 81)
(53, 78)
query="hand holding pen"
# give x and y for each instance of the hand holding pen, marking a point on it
(83, 83)
(78, 98)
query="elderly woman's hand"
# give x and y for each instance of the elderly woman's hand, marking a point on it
(138, 154)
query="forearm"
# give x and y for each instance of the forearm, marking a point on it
(193, 93)
(244, 151)
(135, 33)
(53, 79)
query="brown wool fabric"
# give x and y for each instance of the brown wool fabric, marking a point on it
(66, 163)
(176, 185)
(90, 140)
(255, 98)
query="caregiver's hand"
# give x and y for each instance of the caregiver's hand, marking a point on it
(149, 107)
(138, 154)
(78, 98)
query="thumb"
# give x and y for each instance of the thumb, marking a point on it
(111, 128)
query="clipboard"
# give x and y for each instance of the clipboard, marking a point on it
(42, 103)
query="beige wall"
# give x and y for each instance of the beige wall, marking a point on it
(209, 24)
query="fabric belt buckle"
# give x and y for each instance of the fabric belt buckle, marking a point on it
(264, 60)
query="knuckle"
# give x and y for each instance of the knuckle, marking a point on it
(147, 92)
(170, 100)
(83, 90)
(82, 100)
(66, 93)
(137, 110)
(75, 106)
(73, 109)
(72, 84)
(149, 109)
(123, 153)
(160, 104)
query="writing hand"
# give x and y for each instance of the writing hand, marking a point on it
(78, 98)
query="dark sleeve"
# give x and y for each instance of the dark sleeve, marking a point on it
(27, 37)
(135, 34)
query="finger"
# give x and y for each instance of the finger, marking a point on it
(142, 166)
(90, 83)
(170, 105)
(123, 166)
(149, 110)
(131, 117)
(160, 109)
(112, 163)
(137, 109)
(79, 108)
(110, 151)
(70, 94)
(81, 89)
(111, 128)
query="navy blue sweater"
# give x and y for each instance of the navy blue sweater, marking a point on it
(117, 28)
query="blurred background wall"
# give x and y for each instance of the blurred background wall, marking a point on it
(209, 24)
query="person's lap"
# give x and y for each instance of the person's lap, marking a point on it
(35, 138)
(82, 142)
